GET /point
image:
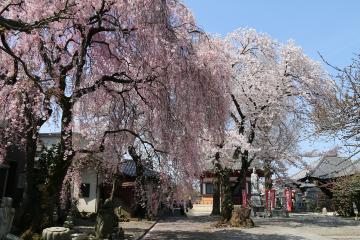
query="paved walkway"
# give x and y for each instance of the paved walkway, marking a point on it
(297, 227)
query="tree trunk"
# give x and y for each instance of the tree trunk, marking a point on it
(227, 204)
(216, 184)
(28, 210)
(140, 191)
(267, 175)
(40, 199)
(245, 164)
(216, 197)
(66, 155)
(113, 188)
(29, 213)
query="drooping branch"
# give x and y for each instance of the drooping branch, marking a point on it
(121, 78)
(6, 48)
(18, 25)
(131, 132)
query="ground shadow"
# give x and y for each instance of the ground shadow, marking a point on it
(218, 235)
(300, 221)
(184, 228)
(193, 219)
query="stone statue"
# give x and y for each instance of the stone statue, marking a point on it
(7, 214)
(255, 192)
(106, 221)
(254, 182)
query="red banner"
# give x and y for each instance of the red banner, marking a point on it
(288, 199)
(272, 198)
(267, 205)
(244, 198)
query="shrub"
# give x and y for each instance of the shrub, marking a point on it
(345, 192)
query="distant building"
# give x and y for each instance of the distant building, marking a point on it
(314, 185)
(94, 189)
(207, 186)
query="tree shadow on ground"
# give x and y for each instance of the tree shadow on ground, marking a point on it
(192, 219)
(218, 235)
(133, 233)
(300, 221)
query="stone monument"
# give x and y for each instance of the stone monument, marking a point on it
(7, 214)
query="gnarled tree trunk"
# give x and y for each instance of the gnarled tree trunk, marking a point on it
(227, 203)
(217, 184)
(40, 199)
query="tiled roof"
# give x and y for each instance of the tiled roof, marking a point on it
(333, 167)
(300, 175)
(128, 168)
(329, 167)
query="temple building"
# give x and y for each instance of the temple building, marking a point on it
(239, 193)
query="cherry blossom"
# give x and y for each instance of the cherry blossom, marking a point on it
(120, 73)
(274, 89)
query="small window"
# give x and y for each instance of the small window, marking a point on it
(85, 190)
(209, 188)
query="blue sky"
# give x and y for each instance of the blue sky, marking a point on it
(326, 26)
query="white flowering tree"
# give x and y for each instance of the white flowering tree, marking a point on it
(273, 89)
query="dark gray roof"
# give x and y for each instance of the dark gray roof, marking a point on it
(128, 168)
(300, 175)
(333, 167)
(329, 166)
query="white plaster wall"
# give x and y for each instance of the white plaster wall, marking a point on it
(89, 204)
